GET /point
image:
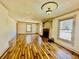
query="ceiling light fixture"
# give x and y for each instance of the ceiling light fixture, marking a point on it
(48, 7)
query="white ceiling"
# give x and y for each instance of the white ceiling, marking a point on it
(23, 9)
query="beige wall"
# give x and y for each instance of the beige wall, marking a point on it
(3, 28)
(11, 28)
(21, 28)
(74, 47)
(7, 29)
(47, 25)
(36, 27)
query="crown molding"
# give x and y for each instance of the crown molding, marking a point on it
(61, 15)
(4, 5)
(66, 13)
(6, 9)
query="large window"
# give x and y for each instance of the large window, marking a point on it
(66, 27)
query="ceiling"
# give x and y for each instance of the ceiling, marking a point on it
(31, 9)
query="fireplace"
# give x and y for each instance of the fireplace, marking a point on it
(46, 33)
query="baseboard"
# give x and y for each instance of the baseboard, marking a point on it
(73, 52)
(4, 52)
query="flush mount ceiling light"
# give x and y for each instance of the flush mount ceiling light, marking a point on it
(48, 7)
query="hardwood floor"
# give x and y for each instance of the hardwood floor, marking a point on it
(34, 50)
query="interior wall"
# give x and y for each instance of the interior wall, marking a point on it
(47, 25)
(36, 27)
(11, 28)
(21, 28)
(75, 46)
(7, 29)
(3, 28)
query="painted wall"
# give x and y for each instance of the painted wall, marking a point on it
(35, 27)
(7, 29)
(74, 47)
(11, 28)
(47, 25)
(3, 28)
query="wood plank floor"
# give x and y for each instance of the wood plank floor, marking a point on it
(45, 50)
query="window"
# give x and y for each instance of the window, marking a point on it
(66, 29)
(28, 27)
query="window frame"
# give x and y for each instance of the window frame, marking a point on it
(73, 30)
(30, 27)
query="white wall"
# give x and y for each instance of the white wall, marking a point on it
(7, 29)
(74, 47)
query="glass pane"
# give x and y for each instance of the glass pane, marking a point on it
(65, 30)
(28, 27)
(66, 24)
(64, 34)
